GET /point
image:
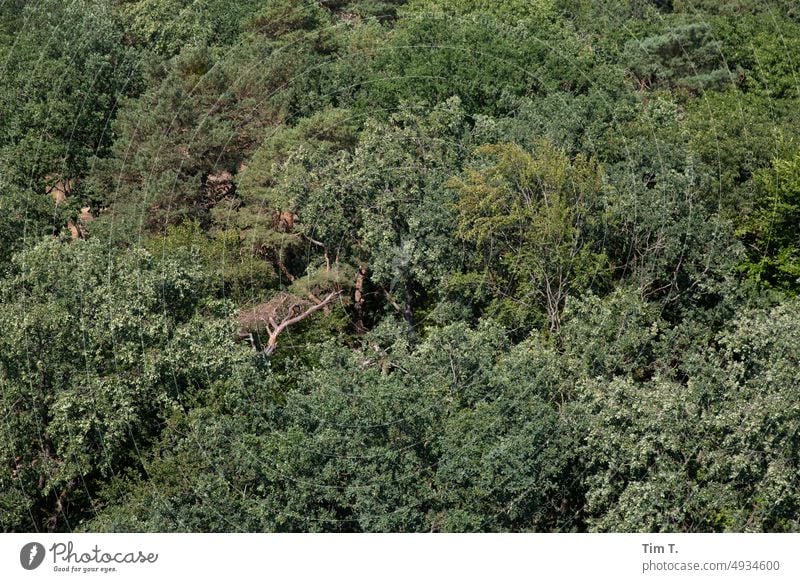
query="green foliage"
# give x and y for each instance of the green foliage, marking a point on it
(733, 136)
(204, 113)
(376, 204)
(167, 26)
(483, 60)
(775, 67)
(61, 79)
(233, 271)
(771, 231)
(669, 232)
(400, 167)
(27, 213)
(692, 457)
(99, 349)
(737, 8)
(63, 71)
(283, 17)
(533, 217)
(510, 10)
(372, 441)
(536, 263)
(686, 56)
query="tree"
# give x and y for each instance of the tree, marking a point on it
(375, 207)
(483, 58)
(283, 310)
(715, 452)
(167, 26)
(62, 75)
(685, 56)
(532, 216)
(770, 232)
(453, 436)
(99, 350)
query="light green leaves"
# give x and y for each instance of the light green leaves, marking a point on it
(531, 215)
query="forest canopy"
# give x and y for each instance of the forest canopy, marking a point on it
(408, 266)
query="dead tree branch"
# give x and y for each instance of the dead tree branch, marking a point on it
(277, 314)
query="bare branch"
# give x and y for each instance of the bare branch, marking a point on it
(279, 313)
